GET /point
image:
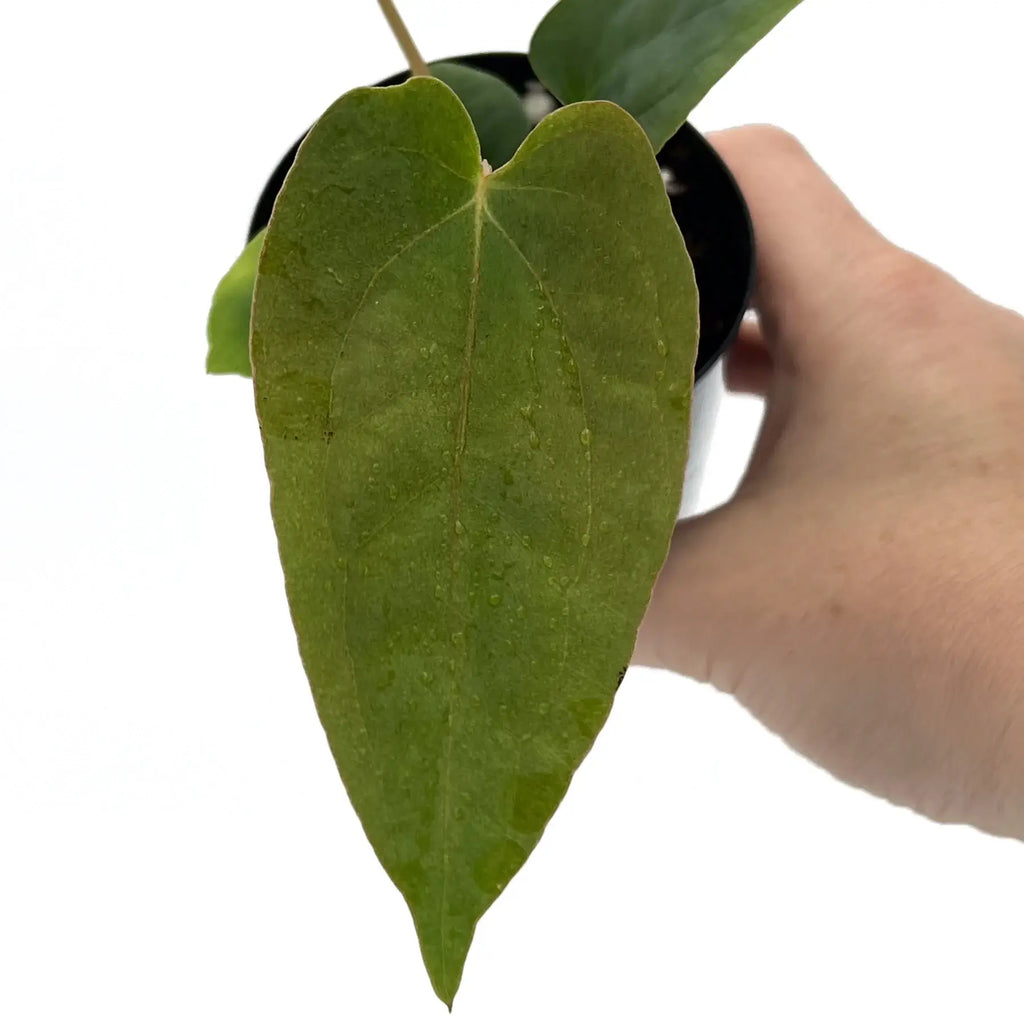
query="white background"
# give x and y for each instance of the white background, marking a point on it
(175, 844)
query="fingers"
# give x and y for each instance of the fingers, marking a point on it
(693, 615)
(748, 364)
(812, 245)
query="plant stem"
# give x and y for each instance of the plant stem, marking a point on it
(416, 63)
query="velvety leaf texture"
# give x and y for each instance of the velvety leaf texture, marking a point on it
(655, 58)
(227, 329)
(474, 399)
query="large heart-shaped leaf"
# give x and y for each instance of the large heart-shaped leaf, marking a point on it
(474, 398)
(655, 58)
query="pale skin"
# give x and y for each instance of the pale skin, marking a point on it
(863, 593)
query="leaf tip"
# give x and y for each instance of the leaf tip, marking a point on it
(444, 984)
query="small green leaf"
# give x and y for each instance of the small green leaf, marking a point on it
(655, 58)
(227, 328)
(473, 393)
(494, 107)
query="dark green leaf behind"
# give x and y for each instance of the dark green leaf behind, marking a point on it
(655, 58)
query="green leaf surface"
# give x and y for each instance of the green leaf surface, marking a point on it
(655, 58)
(227, 328)
(495, 109)
(501, 123)
(474, 396)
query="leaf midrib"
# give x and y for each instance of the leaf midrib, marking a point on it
(479, 205)
(480, 212)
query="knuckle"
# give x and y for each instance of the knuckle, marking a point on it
(767, 141)
(776, 142)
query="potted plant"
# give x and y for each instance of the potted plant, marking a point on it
(472, 324)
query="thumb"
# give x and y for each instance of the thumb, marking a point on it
(694, 614)
(737, 589)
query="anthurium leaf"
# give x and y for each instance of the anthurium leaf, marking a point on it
(473, 393)
(227, 329)
(494, 107)
(655, 58)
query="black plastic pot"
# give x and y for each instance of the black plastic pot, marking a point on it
(712, 217)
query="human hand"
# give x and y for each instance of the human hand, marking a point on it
(863, 593)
